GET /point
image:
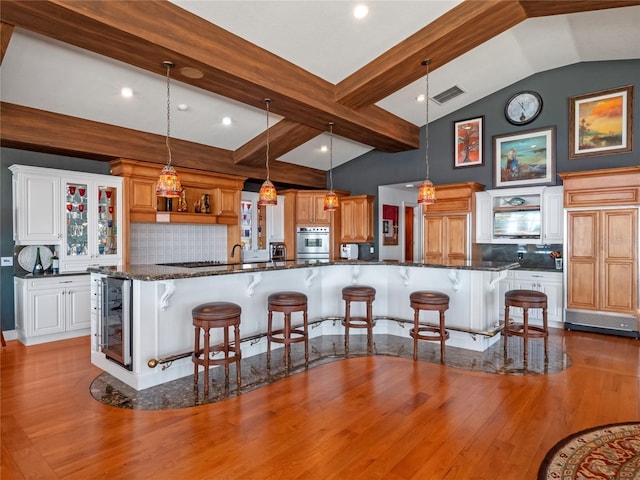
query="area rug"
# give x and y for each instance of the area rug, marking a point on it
(610, 452)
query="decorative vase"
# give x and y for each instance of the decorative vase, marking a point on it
(558, 264)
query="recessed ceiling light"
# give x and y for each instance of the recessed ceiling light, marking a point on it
(226, 121)
(324, 148)
(420, 97)
(126, 92)
(360, 11)
(409, 185)
(183, 106)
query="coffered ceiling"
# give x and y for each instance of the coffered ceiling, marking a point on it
(315, 61)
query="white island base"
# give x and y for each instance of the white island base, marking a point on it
(162, 323)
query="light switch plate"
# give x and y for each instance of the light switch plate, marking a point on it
(7, 262)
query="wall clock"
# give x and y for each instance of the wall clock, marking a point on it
(523, 107)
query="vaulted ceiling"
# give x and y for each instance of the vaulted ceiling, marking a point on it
(64, 62)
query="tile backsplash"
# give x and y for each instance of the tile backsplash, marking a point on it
(152, 243)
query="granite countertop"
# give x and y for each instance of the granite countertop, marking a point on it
(29, 275)
(163, 272)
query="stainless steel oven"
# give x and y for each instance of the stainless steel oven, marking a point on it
(312, 244)
(115, 321)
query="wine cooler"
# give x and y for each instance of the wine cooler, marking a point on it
(115, 321)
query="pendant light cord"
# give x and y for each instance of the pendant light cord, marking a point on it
(267, 101)
(331, 156)
(426, 127)
(169, 66)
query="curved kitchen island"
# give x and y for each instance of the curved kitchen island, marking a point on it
(162, 298)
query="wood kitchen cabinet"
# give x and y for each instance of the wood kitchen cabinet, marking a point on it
(601, 253)
(140, 178)
(448, 224)
(446, 238)
(602, 264)
(357, 219)
(52, 308)
(310, 208)
(306, 208)
(547, 282)
(141, 204)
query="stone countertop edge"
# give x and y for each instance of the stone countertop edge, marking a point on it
(29, 275)
(160, 272)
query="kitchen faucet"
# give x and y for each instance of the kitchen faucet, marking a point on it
(233, 251)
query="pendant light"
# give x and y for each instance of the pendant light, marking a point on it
(267, 195)
(427, 191)
(168, 184)
(331, 202)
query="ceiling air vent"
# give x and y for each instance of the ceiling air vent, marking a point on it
(449, 94)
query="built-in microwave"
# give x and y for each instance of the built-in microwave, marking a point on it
(524, 223)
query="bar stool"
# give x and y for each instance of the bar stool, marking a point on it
(287, 303)
(216, 315)
(358, 293)
(428, 300)
(526, 299)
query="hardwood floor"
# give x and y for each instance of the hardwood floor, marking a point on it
(362, 418)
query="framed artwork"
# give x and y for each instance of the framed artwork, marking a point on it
(390, 224)
(601, 123)
(468, 144)
(524, 159)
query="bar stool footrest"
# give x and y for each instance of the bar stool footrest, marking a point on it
(430, 333)
(534, 331)
(358, 322)
(301, 336)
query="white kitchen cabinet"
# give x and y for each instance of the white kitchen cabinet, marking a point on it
(36, 206)
(552, 215)
(79, 213)
(275, 221)
(548, 201)
(52, 308)
(549, 283)
(484, 221)
(92, 233)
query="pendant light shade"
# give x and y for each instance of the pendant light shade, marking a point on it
(427, 191)
(331, 202)
(168, 184)
(268, 195)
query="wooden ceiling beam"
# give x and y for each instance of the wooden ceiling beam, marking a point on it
(536, 8)
(284, 136)
(455, 33)
(48, 132)
(6, 30)
(146, 32)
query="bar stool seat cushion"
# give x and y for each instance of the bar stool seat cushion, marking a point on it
(216, 311)
(525, 296)
(426, 297)
(287, 299)
(358, 291)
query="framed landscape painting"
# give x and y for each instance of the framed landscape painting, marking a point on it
(601, 123)
(468, 143)
(524, 159)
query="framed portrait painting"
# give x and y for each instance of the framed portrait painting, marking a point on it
(468, 146)
(524, 159)
(601, 123)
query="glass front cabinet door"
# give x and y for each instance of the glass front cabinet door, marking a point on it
(93, 222)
